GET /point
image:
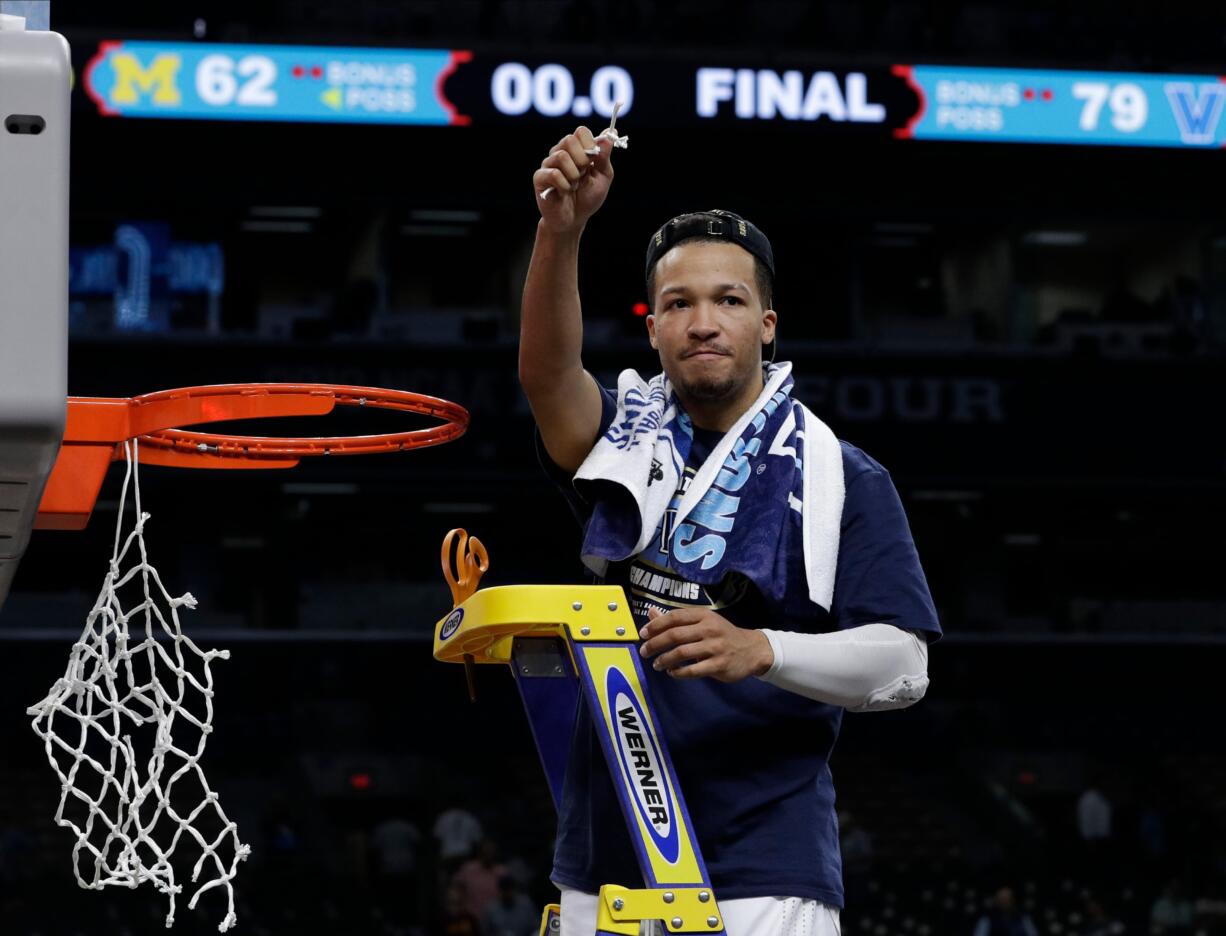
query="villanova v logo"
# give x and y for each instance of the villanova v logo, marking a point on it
(1197, 110)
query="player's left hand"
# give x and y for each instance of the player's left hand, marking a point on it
(694, 642)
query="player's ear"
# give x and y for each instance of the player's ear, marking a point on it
(651, 330)
(769, 320)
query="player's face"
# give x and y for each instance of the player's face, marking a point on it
(709, 325)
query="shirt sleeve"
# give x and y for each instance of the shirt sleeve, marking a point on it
(879, 578)
(564, 480)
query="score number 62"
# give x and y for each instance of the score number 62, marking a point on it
(1127, 103)
(217, 84)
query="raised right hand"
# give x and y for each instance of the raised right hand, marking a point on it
(580, 182)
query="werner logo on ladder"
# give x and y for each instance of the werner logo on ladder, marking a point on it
(640, 761)
(561, 640)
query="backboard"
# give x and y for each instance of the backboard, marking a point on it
(35, 80)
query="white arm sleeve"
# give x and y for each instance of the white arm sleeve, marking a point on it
(869, 668)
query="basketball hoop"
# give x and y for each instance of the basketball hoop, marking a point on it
(97, 427)
(125, 727)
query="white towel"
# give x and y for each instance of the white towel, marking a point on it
(644, 452)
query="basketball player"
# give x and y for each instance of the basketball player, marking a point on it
(750, 676)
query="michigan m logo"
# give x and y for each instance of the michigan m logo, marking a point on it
(133, 79)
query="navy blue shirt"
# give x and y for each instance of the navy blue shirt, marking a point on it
(752, 760)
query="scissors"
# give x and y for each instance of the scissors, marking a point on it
(471, 562)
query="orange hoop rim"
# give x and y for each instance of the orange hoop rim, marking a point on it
(97, 428)
(193, 442)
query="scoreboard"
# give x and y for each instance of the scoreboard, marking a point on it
(249, 82)
(459, 88)
(1118, 108)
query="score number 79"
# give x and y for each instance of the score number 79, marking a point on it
(1127, 103)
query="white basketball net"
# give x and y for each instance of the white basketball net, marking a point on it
(119, 728)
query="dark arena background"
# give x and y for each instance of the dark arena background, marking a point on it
(1001, 249)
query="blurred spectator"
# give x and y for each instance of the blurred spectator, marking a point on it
(1099, 922)
(1151, 833)
(857, 847)
(456, 831)
(1003, 918)
(512, 913)
(353, 858)
(283, 838)
(1123, 305)
(1172, 913)
(1094, 815)
(479, 877)
(1191, 317)
(456, 920)
(15, 857)
(856, 844)
(1210, 914)
(284, 848)
(517, 866)
(394, 842)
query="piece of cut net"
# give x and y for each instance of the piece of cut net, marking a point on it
(608, 133)
(125, 729)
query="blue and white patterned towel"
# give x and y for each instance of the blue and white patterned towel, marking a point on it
(778, 461)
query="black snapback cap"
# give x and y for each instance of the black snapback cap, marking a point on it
(714, 224)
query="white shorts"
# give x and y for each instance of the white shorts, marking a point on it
(749, 916)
